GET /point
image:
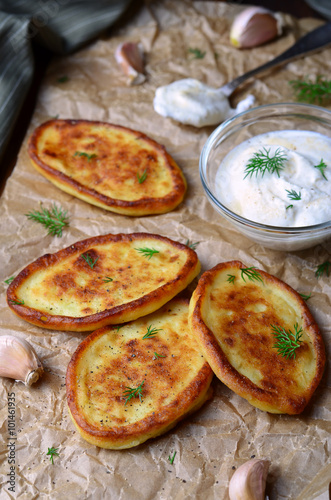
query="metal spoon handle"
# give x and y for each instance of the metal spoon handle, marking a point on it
(316, 39)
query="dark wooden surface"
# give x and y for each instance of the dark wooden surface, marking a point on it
(296, 8)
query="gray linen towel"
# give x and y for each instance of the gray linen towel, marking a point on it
(60, 25)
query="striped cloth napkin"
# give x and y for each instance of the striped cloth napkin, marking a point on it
(60, 25)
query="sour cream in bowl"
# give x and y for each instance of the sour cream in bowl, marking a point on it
(268, 172)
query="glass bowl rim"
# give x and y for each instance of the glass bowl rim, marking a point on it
(210, 142)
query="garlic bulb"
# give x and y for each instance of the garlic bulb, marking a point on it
(249, 481)
(130, 56)
(18, 360)
(255, 26)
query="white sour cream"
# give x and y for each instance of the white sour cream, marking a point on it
(191, 102)
(266, 199)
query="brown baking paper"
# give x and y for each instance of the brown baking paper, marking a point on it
(227, 431)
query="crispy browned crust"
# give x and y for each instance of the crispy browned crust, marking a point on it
(146, 205)
(277, 392)
(118, 314)
(157, 418)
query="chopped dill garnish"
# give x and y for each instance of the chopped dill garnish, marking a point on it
(308, 90)
(293, 195)
(131, 392)
(322, 166)
(263, 162)
(192, 245)
(151, 332)
(197, 54)
(143, 176)
(287, 342)
(85, 155)
(55, 219)
(323, 268)
(17, 302)
(9, 280)
(118, 327)
(63, 79)
(89, 260)
(158, 355)
(251, 273)
(147, 252)
(52, 452)
(231, 278)
(107, 279)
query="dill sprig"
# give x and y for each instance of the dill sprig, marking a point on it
(89, 157)
(263, 162)
(143, 176)
(9, 280)
(55, 219)
(231, 278)
(52, 452)
(107, 279)
(88, 259)
(321, 167)
(133, 392)
(118, 327)
(63, 79)
(147, 252)
(293, 195)
(192, 245)
(308, 90)
(304, 296)
(172, 458)
(197, 54)
(325, 267)
(251, 273)
(287, 342)
(158, 355)
(151, 332)
(17, 302)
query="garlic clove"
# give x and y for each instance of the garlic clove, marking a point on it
(255, 26)
(130, 56)
(249, 480)
(18, 360)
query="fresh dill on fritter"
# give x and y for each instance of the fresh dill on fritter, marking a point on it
(133, 392)
(88, 259)
(287, 342)
(251, 273)
(147, 252)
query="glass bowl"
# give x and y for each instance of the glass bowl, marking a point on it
(255, 121)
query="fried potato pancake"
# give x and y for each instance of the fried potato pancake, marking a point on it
(103, 280)
(110, 166)
(232, 315)
(126, 385)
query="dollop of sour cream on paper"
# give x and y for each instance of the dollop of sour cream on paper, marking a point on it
(191, 102)
(265, 199)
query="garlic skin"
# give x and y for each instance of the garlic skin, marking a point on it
(129, 56)
(249, 481)
(18, 360)
(255, 26)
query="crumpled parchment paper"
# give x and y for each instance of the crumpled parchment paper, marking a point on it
(227, 431)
